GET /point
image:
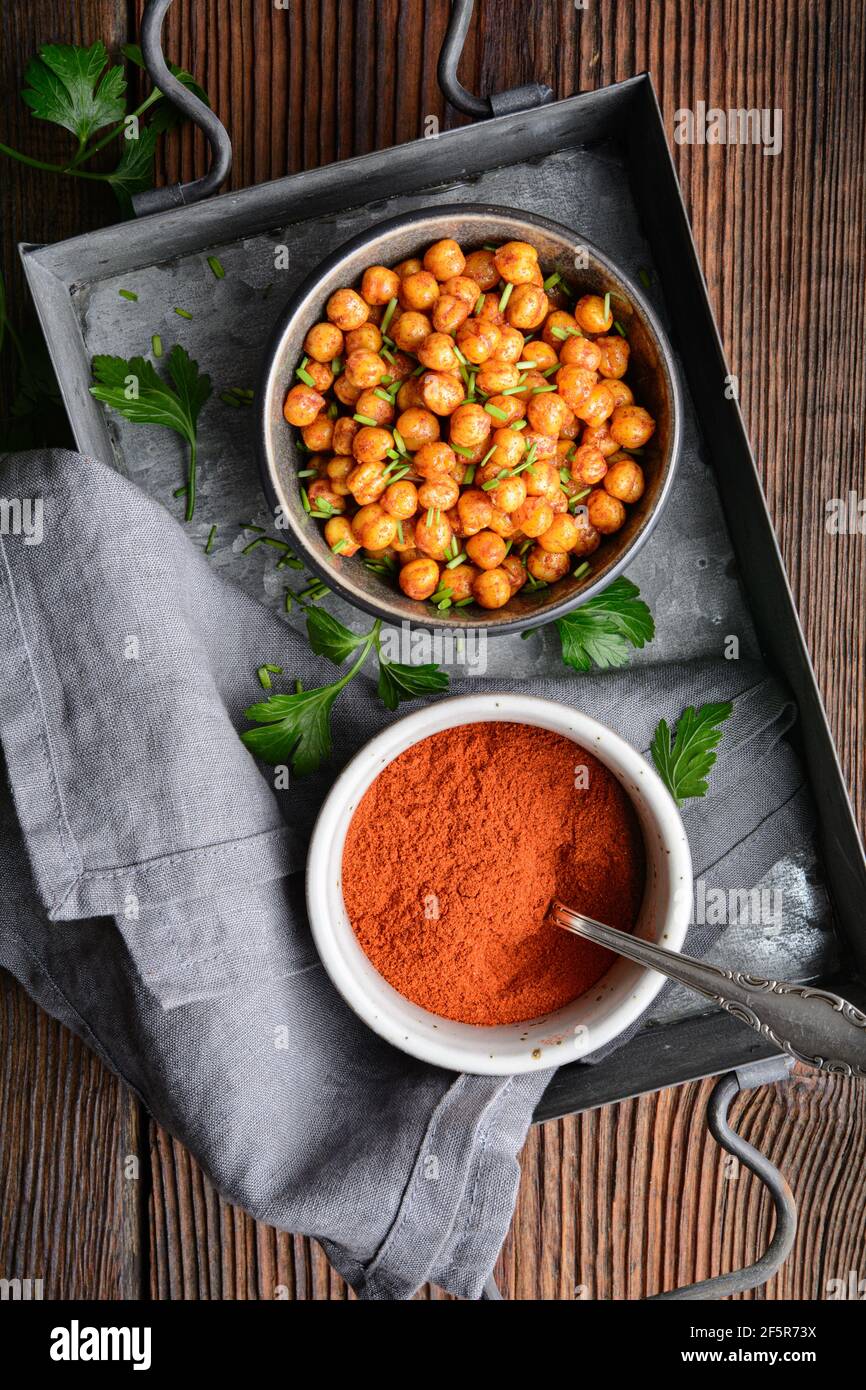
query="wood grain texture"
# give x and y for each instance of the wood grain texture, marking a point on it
(635, 1198)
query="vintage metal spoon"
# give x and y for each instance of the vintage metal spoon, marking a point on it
(813, 1025)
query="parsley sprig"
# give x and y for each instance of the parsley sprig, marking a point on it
(602, 631)
(296, 729)
(685, 762)
(134, 388)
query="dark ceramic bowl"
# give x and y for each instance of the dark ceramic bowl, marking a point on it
(652, 376)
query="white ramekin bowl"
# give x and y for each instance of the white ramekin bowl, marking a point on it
(568, 1034)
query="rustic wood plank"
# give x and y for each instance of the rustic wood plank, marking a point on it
(635, 1198)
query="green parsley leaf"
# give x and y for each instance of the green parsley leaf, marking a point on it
(134, 172)
(685, 764)
(165, 115)
(65, 87)
(293, 729)
(134, 389)
(601, 631)
(398, 682)
(328, 637)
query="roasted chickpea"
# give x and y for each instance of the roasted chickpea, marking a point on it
(379, 285)
(580, 352)
(509, 495)
(419, 291)
(511, 344)
(560, 536)
(444, 259)
(495, 376)
(302, 405)
(366, 483)
(433, 534)
(559, 502)
(588, 538)
(434, 460)
(347, 310)
(531, 383)
(481, 267)
(547, 566)
(367, 338)
(527, 307)
(588, 465)
(337, 470)
(534, 516)
(492, 588)
(449, 312)
(345, 392)
(475, 510)
(512, 407)
(540, 354)
(338, 533)
(441, 392)
(371, 444)
(345, 430)
(419, 578)
(363, 515)
(366, 369)
(575, 385)
(547, 413)
(319, 436)
(322, 495)
(411, 266)
(410, 330)
(621, 392)
(322, 376)
(437, 353)
(545, 445)
(470, 426)
(597, 407)
(478, 340)
(503, 524)
(601, 437)
(571, 426)
(631, 426)
(460, 581)
(517, 262)
(542, 480)
(615, 353)
(409, 395)
(417, 427)
(510, 450)
(378, 532)
(590, 314)
(401, 366)
(489, 311)
(404, 541)
(400, 499)
(606, 513)
(486, 550)
(516, 571)
(556, 328)
(625, 480)
(441, 492)
(375, 408)
(324, 342)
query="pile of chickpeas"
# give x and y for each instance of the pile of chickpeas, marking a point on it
(466, 424)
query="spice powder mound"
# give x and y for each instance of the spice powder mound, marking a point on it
(455, 852)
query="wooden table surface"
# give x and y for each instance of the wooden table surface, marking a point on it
(96, 1200)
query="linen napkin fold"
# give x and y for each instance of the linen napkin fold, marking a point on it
(151, 895)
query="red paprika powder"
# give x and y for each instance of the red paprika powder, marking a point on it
(455, 852)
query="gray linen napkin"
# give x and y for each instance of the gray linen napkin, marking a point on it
(151, 895)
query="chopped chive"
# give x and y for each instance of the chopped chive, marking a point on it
(496, 412)
(366, 420)
(128, 294)
(528, 366)
(401, 473)
(563, 333)
(645, 278)
(518, 424)
(488, 247)
(494, 482)
(305, 500)
(459, 355)
(444, 605)
(429, 521)
(210, 540)
(299, 687)
(156, 345)
(264, 678)
(552, 280)
(398, 440)
(462, 602)
(183, 313)
(338, 545)
(506, 295)
(400, 536)
(607, 305)
(216, 267)
(336, 366)
(455, 561)
(548, 371)
(180, 491)
(469, 475)
(389, 314)
(582, 570)
(387, 354)
(564, 475)
(619, 328)
(441, 594)
(459, 449)
(488, 456)
(527, 545)
(383, 395)
(479, 303)
(540, 390)
(508, 547)
(305, 375)
(308, 472)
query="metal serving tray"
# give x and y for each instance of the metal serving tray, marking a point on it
(600, 163)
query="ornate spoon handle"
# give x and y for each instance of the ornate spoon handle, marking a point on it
(813, 1025)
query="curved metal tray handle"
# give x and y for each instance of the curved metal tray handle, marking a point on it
(176, 195)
